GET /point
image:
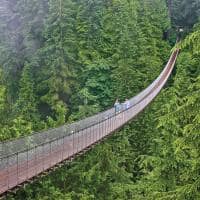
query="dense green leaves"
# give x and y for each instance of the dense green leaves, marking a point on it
(184, 13)
(73, 60)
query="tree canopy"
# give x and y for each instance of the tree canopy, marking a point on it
(63, 60)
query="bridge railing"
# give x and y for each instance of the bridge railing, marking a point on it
(27, 157)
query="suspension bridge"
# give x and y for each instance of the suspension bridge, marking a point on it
(25, 158)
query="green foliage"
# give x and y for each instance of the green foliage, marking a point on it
(172, 172)
(73, 63)
(184, 13)
(192, 42)
(2, 96)
(22, 26)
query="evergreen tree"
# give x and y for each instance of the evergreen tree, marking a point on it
(85, 55)
(55, 75)
(184, 13)
(172, 171)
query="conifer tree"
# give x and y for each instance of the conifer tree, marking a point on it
(56, 76)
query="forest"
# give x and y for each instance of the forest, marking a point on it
(64, 60)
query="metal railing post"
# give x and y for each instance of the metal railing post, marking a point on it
(17, 168)
(85, 138)
(73, 151)
(35, 160)
(113, 118)
(84, 130)
(90, 135)
(62, 155)
(108, 125)
(81, 139)
(50, 153)
(27, 164)
(7, 164)
(78, 140)
(103, 127)
(43, 157)
(101, 130)
(93, 136)
(112, 122)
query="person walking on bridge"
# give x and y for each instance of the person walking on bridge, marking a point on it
(126, 104)
(117, 106)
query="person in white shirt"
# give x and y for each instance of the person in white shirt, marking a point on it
(127, 104)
